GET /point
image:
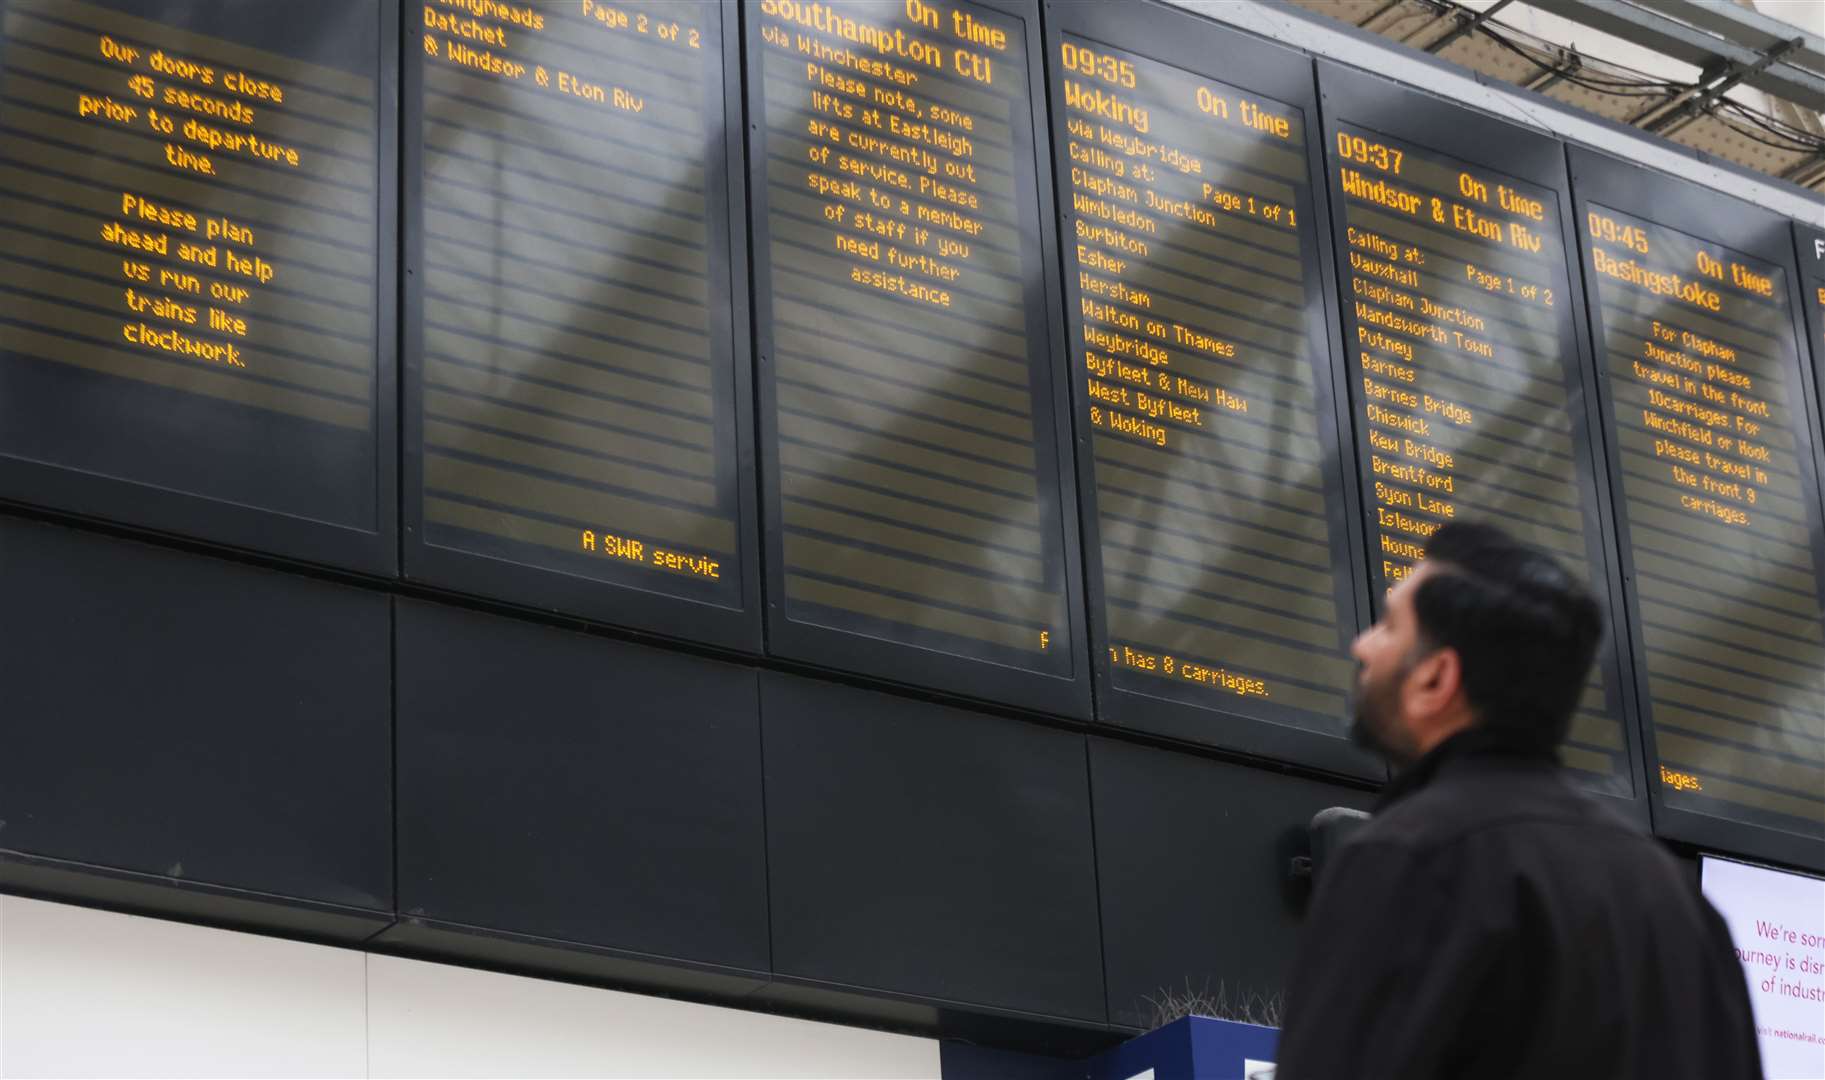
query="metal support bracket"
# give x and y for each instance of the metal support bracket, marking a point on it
(1718, 78)
(1551, 75)
(1467, 25)
(1716, 32)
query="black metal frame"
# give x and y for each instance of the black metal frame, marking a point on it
(179, 513)
(1203, 48)
(528, 584)
(1432, 123)
(1767, 236)
(897, 662)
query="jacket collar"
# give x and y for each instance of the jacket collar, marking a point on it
(1471, 743)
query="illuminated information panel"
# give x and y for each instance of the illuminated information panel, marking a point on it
(1719, 506)
(1199, 352)
(577, 396)
(188, 259)
(904, 355)
(1464, 373)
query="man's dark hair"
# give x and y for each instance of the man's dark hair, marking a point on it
(1524, 628)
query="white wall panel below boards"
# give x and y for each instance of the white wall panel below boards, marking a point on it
(94, 993)
(433, 1020)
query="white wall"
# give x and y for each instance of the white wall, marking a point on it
(93, 993)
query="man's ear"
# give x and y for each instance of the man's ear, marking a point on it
(1434, 682)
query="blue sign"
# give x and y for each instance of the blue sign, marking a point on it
(1194, 1048)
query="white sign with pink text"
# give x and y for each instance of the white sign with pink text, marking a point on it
(1777, 921)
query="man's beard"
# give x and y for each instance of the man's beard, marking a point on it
(1373, 715)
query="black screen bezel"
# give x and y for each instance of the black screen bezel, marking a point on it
(1195, 44)
(179, 513)
(528, 584)
(930, 669)
(1765, 235)
(1433, 123)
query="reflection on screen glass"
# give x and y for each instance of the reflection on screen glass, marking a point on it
(917, 475)
(1720, 515)
(187, 264)
(1468, 400)
(577, 374)
(1198, 353)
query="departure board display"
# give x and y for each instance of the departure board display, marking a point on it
(190, 283)
(907, 403)
(1717, 498)
(1203, 375)
(1469, 398)
(575, 391)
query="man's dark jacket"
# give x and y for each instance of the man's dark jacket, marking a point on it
(1494, 921)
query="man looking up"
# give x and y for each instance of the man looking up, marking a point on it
(1492, 920)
